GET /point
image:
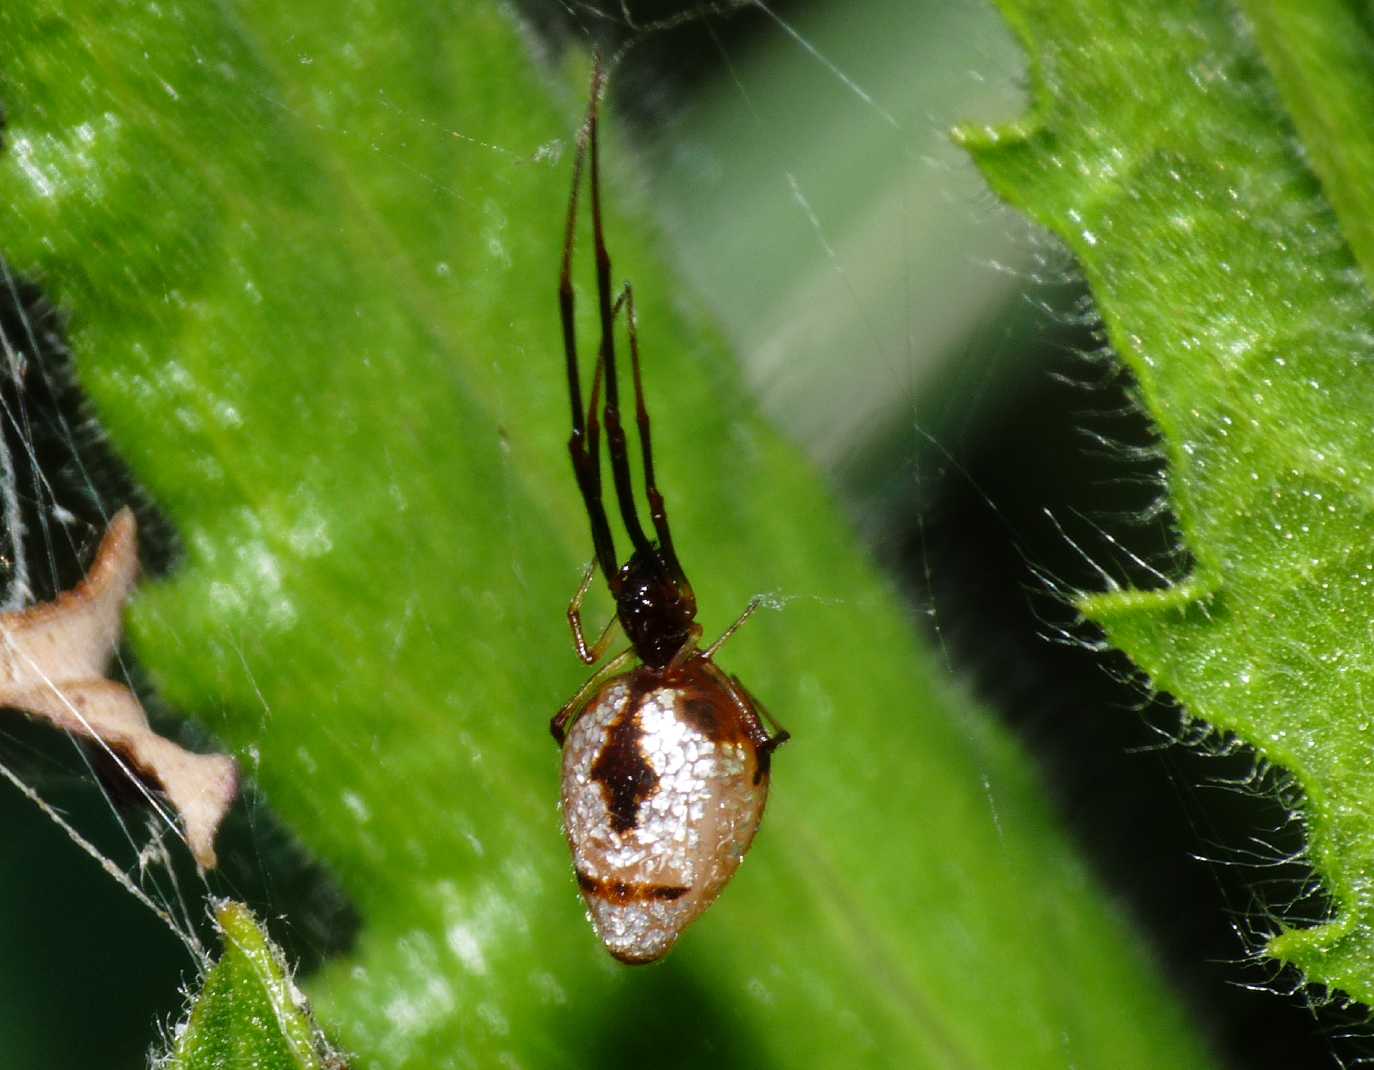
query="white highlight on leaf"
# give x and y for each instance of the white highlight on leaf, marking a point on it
(463, 942)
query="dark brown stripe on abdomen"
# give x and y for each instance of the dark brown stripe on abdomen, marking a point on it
(621, 893)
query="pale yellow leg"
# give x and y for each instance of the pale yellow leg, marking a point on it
(589, 655)
(559, 725)
(754, 604)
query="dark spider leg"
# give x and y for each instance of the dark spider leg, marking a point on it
(584, 460)
(591, 655)
(769, 744)
(615, 433)
(593, 447)
(657, 511)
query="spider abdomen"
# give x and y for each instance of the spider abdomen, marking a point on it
(664, 785)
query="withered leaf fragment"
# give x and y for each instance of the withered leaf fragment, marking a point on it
(53, 658)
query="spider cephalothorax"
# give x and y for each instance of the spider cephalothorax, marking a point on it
(657, 609)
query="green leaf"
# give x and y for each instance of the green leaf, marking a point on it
(309, 261)
(248, 1015)
(1158, 147)
(1318, 54)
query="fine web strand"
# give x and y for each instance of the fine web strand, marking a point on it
(160, 819)
(26, 357)
(42, 490)
(19, 591)
(148, 796)
(705, 13)
(186, 936)
(848, 82)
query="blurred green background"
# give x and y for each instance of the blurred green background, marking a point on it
(937, 360)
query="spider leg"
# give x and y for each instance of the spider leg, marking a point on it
(594, 438)
(589, 655)
(615, 432)
(584, 449)
(564, 717)
(754, 604)
(769, 743)
(780, 734)
(687, 650)
(657, 511)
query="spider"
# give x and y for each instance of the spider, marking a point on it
(666, 764)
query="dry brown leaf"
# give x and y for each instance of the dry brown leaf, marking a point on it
(53, 659)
